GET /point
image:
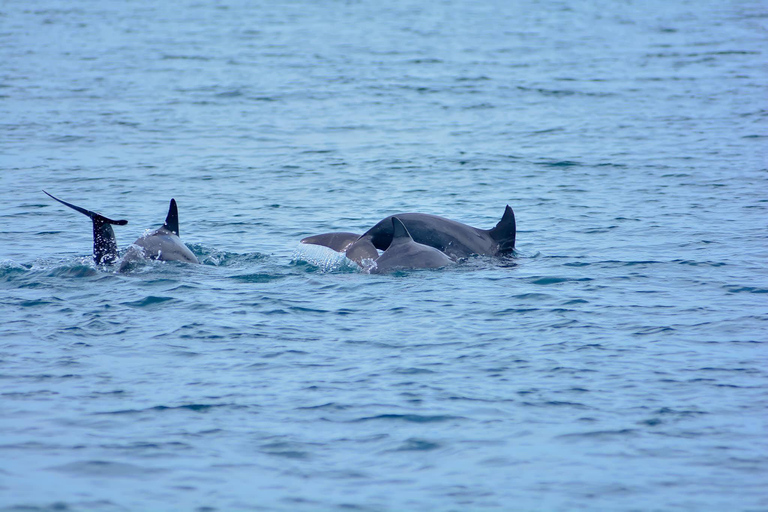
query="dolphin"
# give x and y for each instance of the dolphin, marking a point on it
(161, 244)
(404, 253)
(455, 239)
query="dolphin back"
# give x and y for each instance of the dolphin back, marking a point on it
(104, 241)
(505, 232)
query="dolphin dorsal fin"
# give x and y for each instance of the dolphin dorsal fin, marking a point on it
(399, 232)
(104, 241)
(172, 220)
(505, 231)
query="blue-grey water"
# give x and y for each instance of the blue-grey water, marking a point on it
(617, 363)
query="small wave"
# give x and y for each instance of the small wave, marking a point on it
(148, 301)
(257, 278)
(745, 289)
(102, 468)
(411, 418)
(561, 163)
(214, 257)
(545, 281)
(163, 408)
(316, 258)
(185, 57)
(417, 445)
(10, 269)
(601, 434)
(76, 270)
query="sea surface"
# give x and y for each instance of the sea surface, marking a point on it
(618, 362)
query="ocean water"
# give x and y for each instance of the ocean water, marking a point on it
(618, 362)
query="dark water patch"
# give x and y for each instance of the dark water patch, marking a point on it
(108, 469)
(185, 57)
(39, 302)
(75, 271)
(546, 281)
(732, 289)
(302, 309)
(720, 369)
(163, 408)
(602, 434)
(560, 163)
(700, 263)
(9, 270)
(679, 412)
(149, 302)
(25, 395)
(62, 506)
(605, 229)
(533, 296)
(560, 93)
(143, 448)
(230, 94)
(417, 445)
(508, 311)
(556, 403)
(410, 418)
(413, 371)
(546, 131)
(332, 406)
(285, 449)
(68, 139)
(653, 330)
(270, 355)
(258, 278)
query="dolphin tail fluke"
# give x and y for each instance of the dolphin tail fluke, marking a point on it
(104, 241)
(89, 213)
(172, 220)
(339, 241)
(505, 232)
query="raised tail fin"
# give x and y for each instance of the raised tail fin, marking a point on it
(505, 232)
(104, 241)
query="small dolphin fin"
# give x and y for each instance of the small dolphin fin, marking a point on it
(104, 241)
(505, 231)
(399, 231)
(361, 250)
(172, 220)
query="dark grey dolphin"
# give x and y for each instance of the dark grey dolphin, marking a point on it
(104, 242)
(455, 239)
(162, 244)
(404, 253)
